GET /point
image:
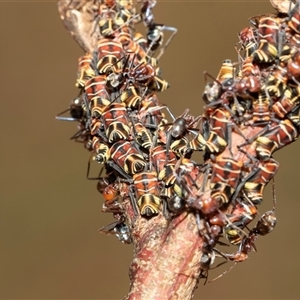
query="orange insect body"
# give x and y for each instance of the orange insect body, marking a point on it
(147, 193)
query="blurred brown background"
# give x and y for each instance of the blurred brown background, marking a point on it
(50, 213)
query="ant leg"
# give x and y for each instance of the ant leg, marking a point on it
(225, 272)
(134, 206)
(58, 117)
(242, 183)
(119, 170)
(89, 168)
(168, 144)
(170, 113)
(165, 211)
(162, 49)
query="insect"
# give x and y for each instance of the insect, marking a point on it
(125, 4)
(227, 71)
(206, 261)
(183, 178)
(158, 84)
(111, 194)
(225, 177)
(220, 131)
(118, 228)
(181, 147)
(101, 149)
(261, 107)
(233, 234)
(131, 97)
(265, 225)
(85, 70)
(141, 41)
(224, 180)
(116, 122)
(176, 204)
(249, 68)
(106, 16)
(232, 224)
(277, 137)
(235, 222)
(178, 129)
(103, 182)
(147, 191)
(277, 82)
(75, 109)
(224, 90)
(110, 56)
(250, 81)
(96, 87)
(137, 75)
(141, 135)
(124, 35)
(288, 102)
(78, 113)
(242, 214)
(248, 40)
(149, 112)
(155, 31)
(294, 117)
(293, 66)
(208, 141)
(213, 91)
(215, 134)
(126, 159)
(270, 38)
(127, 16)
(97, 95)
(162, 164)
(141, 56)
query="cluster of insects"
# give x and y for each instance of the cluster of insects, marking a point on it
(252, 110)
(118, 111)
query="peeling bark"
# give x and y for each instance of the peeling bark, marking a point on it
(79, 18)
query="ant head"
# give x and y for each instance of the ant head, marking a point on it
(178, 127)
(212, 92)
(176, 204)
(102, 184)
(268, 220)
(207, 259)
(266, 223)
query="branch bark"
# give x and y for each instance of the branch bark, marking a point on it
(166, 257)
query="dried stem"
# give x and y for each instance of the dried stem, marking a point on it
(166, 257)
(80, 20)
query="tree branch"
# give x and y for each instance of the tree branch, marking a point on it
(168, 252)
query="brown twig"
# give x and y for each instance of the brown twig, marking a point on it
(166, 257)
